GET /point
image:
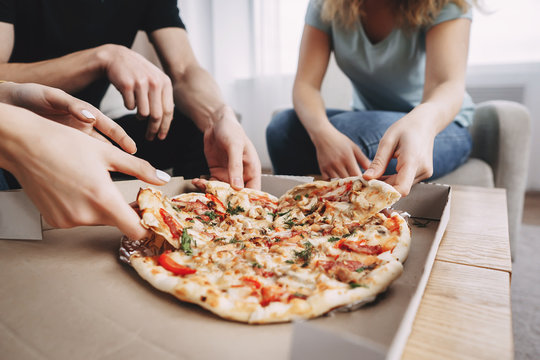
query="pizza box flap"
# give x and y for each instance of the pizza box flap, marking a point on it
(19, 218)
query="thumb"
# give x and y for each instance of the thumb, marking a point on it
(131, 165)
(380, 161)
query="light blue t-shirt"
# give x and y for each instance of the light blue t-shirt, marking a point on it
(388, 75)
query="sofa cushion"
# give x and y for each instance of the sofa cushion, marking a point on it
(474, 172)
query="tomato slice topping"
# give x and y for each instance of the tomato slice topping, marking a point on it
(174, 227)
(251, 281)
(393, 224)
(359, 247)
(270, 294)
(215, 200)
(174, 267)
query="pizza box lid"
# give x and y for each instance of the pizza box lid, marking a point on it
(69, 294)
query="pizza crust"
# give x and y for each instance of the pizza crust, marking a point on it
(243, 310)
(258, 259)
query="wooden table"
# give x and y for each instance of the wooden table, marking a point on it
(465, 312)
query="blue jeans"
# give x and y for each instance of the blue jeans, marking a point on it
(293, 153)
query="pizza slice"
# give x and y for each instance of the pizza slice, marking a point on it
(345, 200)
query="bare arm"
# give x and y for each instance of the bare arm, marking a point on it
(337, 155)
(230, 154)
(70, 73)
(410, 139)
(196, 93)
(143, 85)
(312, 64)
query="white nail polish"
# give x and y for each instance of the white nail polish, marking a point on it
(87, 114)
(162, 175)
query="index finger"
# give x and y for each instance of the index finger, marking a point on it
(235, 166)
(87, 113)
(115, 132)
(125, 218)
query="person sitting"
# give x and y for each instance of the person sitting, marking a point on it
(83, 46)
(406, 62)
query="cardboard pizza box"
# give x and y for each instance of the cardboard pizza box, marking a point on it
(69, 296)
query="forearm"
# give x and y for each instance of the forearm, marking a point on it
(443, 103)
(310, 108)
(70, 73)
(14, 122)
(197, 95)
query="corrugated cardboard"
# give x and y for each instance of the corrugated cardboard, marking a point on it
(69, 297)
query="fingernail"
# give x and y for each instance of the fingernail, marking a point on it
(87, 114)
(237, 182)
(369, 172)
(162, 175)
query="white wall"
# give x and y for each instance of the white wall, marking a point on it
(251, 48)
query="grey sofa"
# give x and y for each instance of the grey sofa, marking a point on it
(500, 156)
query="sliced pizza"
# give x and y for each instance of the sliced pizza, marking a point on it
(247, 256)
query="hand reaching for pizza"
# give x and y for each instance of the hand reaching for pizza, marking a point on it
(338, 156)
(230, 154)
(143, 86)
(66, 172)
(56, 105)
(410, 141)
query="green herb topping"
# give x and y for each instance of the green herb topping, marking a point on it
(234, 240)
(333, 239)
(186, 242)
(298, 197)
(299, 295)
(234, 210)
(354, 285)
(284, 213)
(212, 215)
(306, 254)
(290, 223)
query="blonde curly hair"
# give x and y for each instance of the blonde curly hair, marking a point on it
(409, 13)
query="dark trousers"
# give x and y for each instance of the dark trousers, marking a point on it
(182, 150)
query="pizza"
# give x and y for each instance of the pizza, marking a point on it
(251, 257)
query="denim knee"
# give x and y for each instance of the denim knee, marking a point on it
(279, 126)
(289, 146)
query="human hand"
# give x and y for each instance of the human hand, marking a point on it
(56, 105)
(230, 154)
(143, 86)
(67, 176)
(338, 156)
(410, 141)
